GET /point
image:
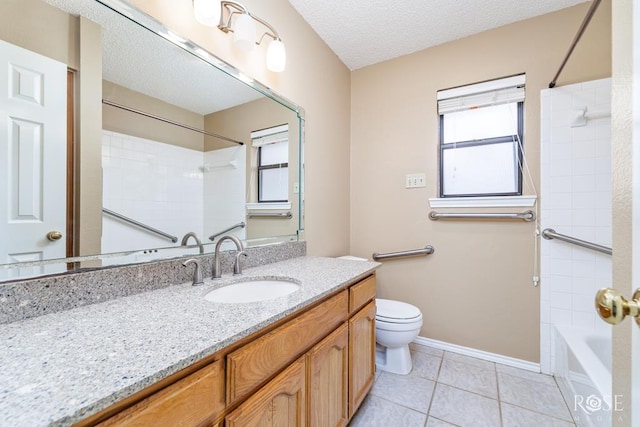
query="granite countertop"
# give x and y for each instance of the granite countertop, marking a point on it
(60, 368)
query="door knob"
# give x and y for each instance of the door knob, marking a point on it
(54, 235)
(613, 307)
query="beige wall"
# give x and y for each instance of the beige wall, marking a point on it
(118, 120)
(476, 290)
(314, 79)
(22, 23)
(88, 156)
(238, 123)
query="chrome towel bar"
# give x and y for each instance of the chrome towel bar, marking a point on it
(427, 250)
(226, 230)
(550, 233)
(286, 215)
(128, 220)
(527, 216)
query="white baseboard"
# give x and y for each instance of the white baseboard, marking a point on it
(479, 354)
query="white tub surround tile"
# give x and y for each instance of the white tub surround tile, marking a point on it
(576, 201)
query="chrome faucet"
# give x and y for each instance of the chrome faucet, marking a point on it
(185, 239)
(197, 272)
(236, 266)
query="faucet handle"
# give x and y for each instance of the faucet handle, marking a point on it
(237, 270)
(197, 272)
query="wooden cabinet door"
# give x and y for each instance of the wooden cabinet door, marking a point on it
(253, 363)
(328, 380)
(280, 403)
(362, 355)
(196, 400)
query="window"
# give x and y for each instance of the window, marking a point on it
(481, 128)
(273, 164)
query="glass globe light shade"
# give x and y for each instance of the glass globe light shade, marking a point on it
(276, 56)
(207, 12)
(244, 32)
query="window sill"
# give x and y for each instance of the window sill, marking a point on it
(483, 202)
(268, 206)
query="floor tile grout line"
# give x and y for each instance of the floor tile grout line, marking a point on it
(555, 381)
(537, 411)
(433, 393)
(540, 413)
(498, 399)
(400, 405)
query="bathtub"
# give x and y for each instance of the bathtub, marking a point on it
(582, 367)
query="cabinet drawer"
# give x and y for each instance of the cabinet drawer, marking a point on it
(192, 401)
(281, 402)
(361, 293)
(253, 363)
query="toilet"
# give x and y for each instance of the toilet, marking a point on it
(397, 324)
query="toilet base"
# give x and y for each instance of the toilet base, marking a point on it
(395, 360)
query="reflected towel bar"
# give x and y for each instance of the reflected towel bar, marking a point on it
(233, 227)
(550, 233)
(527, 216)
(427, 250)
(174, 239)
(286, 215)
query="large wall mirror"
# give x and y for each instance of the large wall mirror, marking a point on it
(119, 141)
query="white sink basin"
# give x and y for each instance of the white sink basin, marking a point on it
(252, 291)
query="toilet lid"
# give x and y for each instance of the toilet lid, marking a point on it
(396, 311)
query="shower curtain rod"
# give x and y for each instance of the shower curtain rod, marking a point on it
(171, 122)
(583, 26)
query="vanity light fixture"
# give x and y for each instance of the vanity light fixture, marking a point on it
(243, 27)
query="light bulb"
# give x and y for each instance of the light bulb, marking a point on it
(276, 56)
(207, 12)
(244, 32)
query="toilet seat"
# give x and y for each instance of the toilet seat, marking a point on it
(391, 311)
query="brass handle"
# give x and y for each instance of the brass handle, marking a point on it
(613, 307)
(54, 235)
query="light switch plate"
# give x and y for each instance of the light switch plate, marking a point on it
(415, 180)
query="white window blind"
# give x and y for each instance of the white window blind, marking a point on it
(495, 92)
(270, 136)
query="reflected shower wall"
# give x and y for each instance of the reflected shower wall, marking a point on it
(157, 184)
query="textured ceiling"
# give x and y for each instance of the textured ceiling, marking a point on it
(365, 32)
(136, 58)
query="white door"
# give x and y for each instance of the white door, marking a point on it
(626, 206)
(33, 91)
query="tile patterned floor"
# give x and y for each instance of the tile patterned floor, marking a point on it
(447, 389)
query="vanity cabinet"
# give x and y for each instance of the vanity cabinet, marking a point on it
(362, 341)
(282, 402)
(311, 368)
(196, 400)
(362, 363)
(328, 364)
(256, 361)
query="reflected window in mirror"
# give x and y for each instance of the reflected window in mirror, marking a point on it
(272, 147)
